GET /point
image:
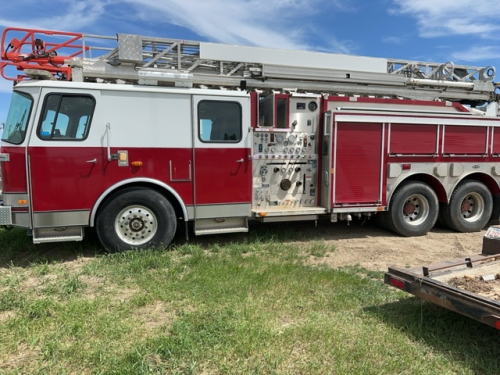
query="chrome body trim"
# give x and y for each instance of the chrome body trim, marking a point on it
(223, 210)
(11, 199)
(60, 219)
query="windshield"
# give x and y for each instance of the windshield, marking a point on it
(19, 112)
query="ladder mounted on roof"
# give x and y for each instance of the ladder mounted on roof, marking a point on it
(41, 54)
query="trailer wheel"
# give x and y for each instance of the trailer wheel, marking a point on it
(136, 218)
(413, 210)
(470, 207)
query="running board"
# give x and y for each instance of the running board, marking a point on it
(220, 225)
(283, 211)
(59, 234)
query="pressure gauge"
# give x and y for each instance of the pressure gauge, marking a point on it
(285, 143)
(292, 138)
(273, 150)
(279, 138)
(313, 106)
(291, 150)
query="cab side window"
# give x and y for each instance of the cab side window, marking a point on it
(219, 121)
(66, 117)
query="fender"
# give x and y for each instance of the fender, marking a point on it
(112, 188)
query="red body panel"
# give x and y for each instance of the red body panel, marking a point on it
(495, 144)
(220, 178)
(413, 139)
(465, 140)
(14, 171)
(63, 179)
(358, 163)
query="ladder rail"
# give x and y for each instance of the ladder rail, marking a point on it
(122, 57)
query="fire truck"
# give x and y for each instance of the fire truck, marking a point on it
(139, 136)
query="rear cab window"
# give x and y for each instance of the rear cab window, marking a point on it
(219, 121)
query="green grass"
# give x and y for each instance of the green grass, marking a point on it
(229, 305)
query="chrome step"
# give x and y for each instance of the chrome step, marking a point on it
(58, 234)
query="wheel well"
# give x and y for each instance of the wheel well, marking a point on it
(433, 182)
(489, 181)
(167, 194)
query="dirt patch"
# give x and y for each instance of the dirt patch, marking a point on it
(490, 289)
(152, 317)
(20, 359)
(376, 249)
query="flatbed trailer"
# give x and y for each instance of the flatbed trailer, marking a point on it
(469, 286)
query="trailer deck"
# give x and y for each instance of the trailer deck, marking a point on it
(469, 286)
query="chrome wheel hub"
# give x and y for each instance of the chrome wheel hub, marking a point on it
(136, 225)
(472, 207)
(416, 209)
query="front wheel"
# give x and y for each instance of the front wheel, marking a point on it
(136, 218)
(413, 210)
(470, 207)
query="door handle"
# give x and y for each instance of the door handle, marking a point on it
(92, 161)
(240, 160)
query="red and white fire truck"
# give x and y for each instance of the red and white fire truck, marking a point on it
(134, 135)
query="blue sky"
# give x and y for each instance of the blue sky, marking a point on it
(461, 31)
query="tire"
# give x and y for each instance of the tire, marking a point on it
(136, 218)
(470, 207)
(413, 210)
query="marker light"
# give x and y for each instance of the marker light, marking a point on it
(400, 284)
(137, 163)
(22, 201)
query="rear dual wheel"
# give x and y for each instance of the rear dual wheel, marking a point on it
(470, 207)
(136, 218)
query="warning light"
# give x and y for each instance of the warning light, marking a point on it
(22, 201)
(137, 163)
(262, 214)
(406, 166)
(122, 156)
(497, 324)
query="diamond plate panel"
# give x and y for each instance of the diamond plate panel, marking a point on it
(5, 216)
(130, 48)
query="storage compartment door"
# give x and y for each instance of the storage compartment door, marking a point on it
(357, 160)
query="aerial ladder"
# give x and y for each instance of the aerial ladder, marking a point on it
(135, 59)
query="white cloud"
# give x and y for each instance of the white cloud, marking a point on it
(5, 85)
(287, 24)
(265, 23)
(394, 40)
(473, 54)
(70, 15)
(452, 17)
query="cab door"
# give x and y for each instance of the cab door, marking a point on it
(66, 160)
(222, 165)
